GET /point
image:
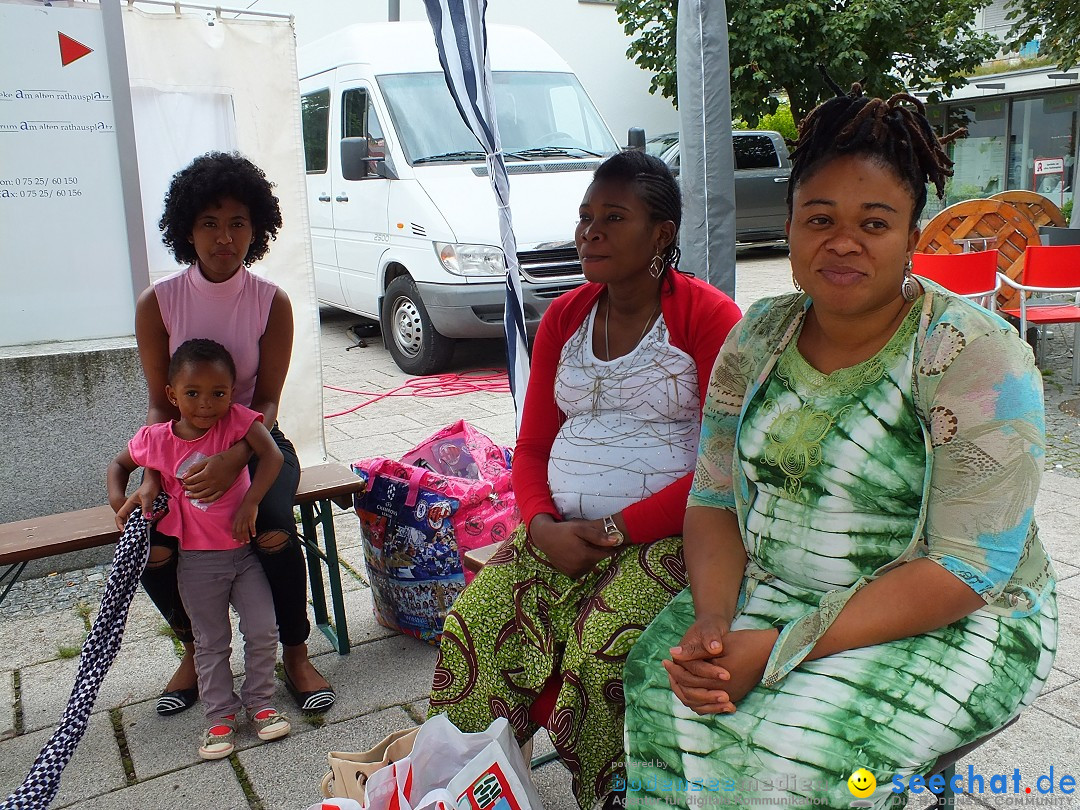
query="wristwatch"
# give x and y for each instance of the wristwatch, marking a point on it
(613, 530)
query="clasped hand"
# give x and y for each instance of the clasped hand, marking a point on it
(573, 546)
(714, 667)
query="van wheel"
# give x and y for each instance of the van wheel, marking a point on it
(413, 342)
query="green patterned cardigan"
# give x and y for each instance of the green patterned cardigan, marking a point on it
(978, 396)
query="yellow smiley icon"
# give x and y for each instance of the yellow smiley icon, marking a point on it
(861, 783)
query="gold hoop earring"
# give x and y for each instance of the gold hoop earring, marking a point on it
(656, 266)
(909, 287)
(795, 283)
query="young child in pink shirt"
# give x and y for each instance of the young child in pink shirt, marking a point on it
(217, 564)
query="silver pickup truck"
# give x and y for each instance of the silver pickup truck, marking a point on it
(762, 168)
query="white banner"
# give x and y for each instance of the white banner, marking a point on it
(64, 262)
(232, 85)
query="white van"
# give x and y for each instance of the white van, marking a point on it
(403, 219)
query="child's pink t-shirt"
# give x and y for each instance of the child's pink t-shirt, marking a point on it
(199, 526)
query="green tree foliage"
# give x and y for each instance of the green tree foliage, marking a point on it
(775, 47)
(1056, 23)
(780, 121)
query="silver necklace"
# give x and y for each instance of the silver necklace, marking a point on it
(607, 318)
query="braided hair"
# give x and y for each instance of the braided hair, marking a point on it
(894, 133)
(655, 185)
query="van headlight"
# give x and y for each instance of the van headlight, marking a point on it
(471, 260)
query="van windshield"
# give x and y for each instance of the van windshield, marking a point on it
(540, 115)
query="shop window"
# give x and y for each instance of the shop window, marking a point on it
(1042, 141)
(980, 157)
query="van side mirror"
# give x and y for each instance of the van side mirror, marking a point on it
(354, 158)
(385, 168)
(635, 138)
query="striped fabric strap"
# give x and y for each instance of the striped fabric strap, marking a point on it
(99, 651)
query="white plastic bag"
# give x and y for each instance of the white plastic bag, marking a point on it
(489, 781)
(451, 770)
(389, 788)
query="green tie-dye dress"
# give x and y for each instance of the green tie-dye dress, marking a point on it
(835, 478)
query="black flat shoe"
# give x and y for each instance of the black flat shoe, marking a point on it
(316, 701)
(176, 701)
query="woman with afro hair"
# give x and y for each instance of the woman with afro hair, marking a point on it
(220, 216)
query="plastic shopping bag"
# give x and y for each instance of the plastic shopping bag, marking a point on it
(419, 516)
(451, 770)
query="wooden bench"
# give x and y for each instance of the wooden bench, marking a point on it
(320, 487)
(477, 558)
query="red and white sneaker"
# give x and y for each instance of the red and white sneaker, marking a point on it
(218, 741)
(270, 724)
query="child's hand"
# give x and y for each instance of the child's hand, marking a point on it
(244, 523)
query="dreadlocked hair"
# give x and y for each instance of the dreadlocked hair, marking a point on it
(893, 133)
(656, 186)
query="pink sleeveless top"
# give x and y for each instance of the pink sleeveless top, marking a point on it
(234, 313)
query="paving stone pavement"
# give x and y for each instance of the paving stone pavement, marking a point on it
(131, 758)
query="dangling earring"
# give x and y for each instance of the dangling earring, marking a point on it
(909, 287)
(795, 283)
(656, 266)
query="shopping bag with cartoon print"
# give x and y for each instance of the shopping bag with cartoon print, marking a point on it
(418, 517)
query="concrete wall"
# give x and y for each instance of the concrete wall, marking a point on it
(66, 409)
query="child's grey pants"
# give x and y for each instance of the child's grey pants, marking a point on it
(209, 581)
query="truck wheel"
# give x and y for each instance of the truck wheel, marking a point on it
(408, 333)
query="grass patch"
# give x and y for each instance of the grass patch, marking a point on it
(415, 713)
(314, 720)
(68, 650)
(84, 610)
(116, 717)
(353, 571)
(253, 800)
(16, 688)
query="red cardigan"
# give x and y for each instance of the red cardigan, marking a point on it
(698, 318)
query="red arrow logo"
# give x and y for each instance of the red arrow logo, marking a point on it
(71, 49)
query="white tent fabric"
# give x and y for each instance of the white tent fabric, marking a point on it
(232, 85)
(707, 175)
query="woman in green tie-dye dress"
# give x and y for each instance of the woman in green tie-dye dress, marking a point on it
(867, 586)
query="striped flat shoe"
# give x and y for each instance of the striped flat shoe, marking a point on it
(316, 701)
(176, 701)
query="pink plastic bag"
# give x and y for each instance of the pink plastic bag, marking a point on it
(419, 516)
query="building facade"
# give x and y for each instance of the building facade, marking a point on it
(1023, 130)
(1023, 125)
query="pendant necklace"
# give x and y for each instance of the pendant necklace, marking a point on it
(607, 318)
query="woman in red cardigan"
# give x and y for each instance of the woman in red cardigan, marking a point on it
(602, 471)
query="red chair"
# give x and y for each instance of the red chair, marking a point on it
(1050, 270)
(972, 275)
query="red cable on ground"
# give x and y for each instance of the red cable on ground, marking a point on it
(434, 386)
